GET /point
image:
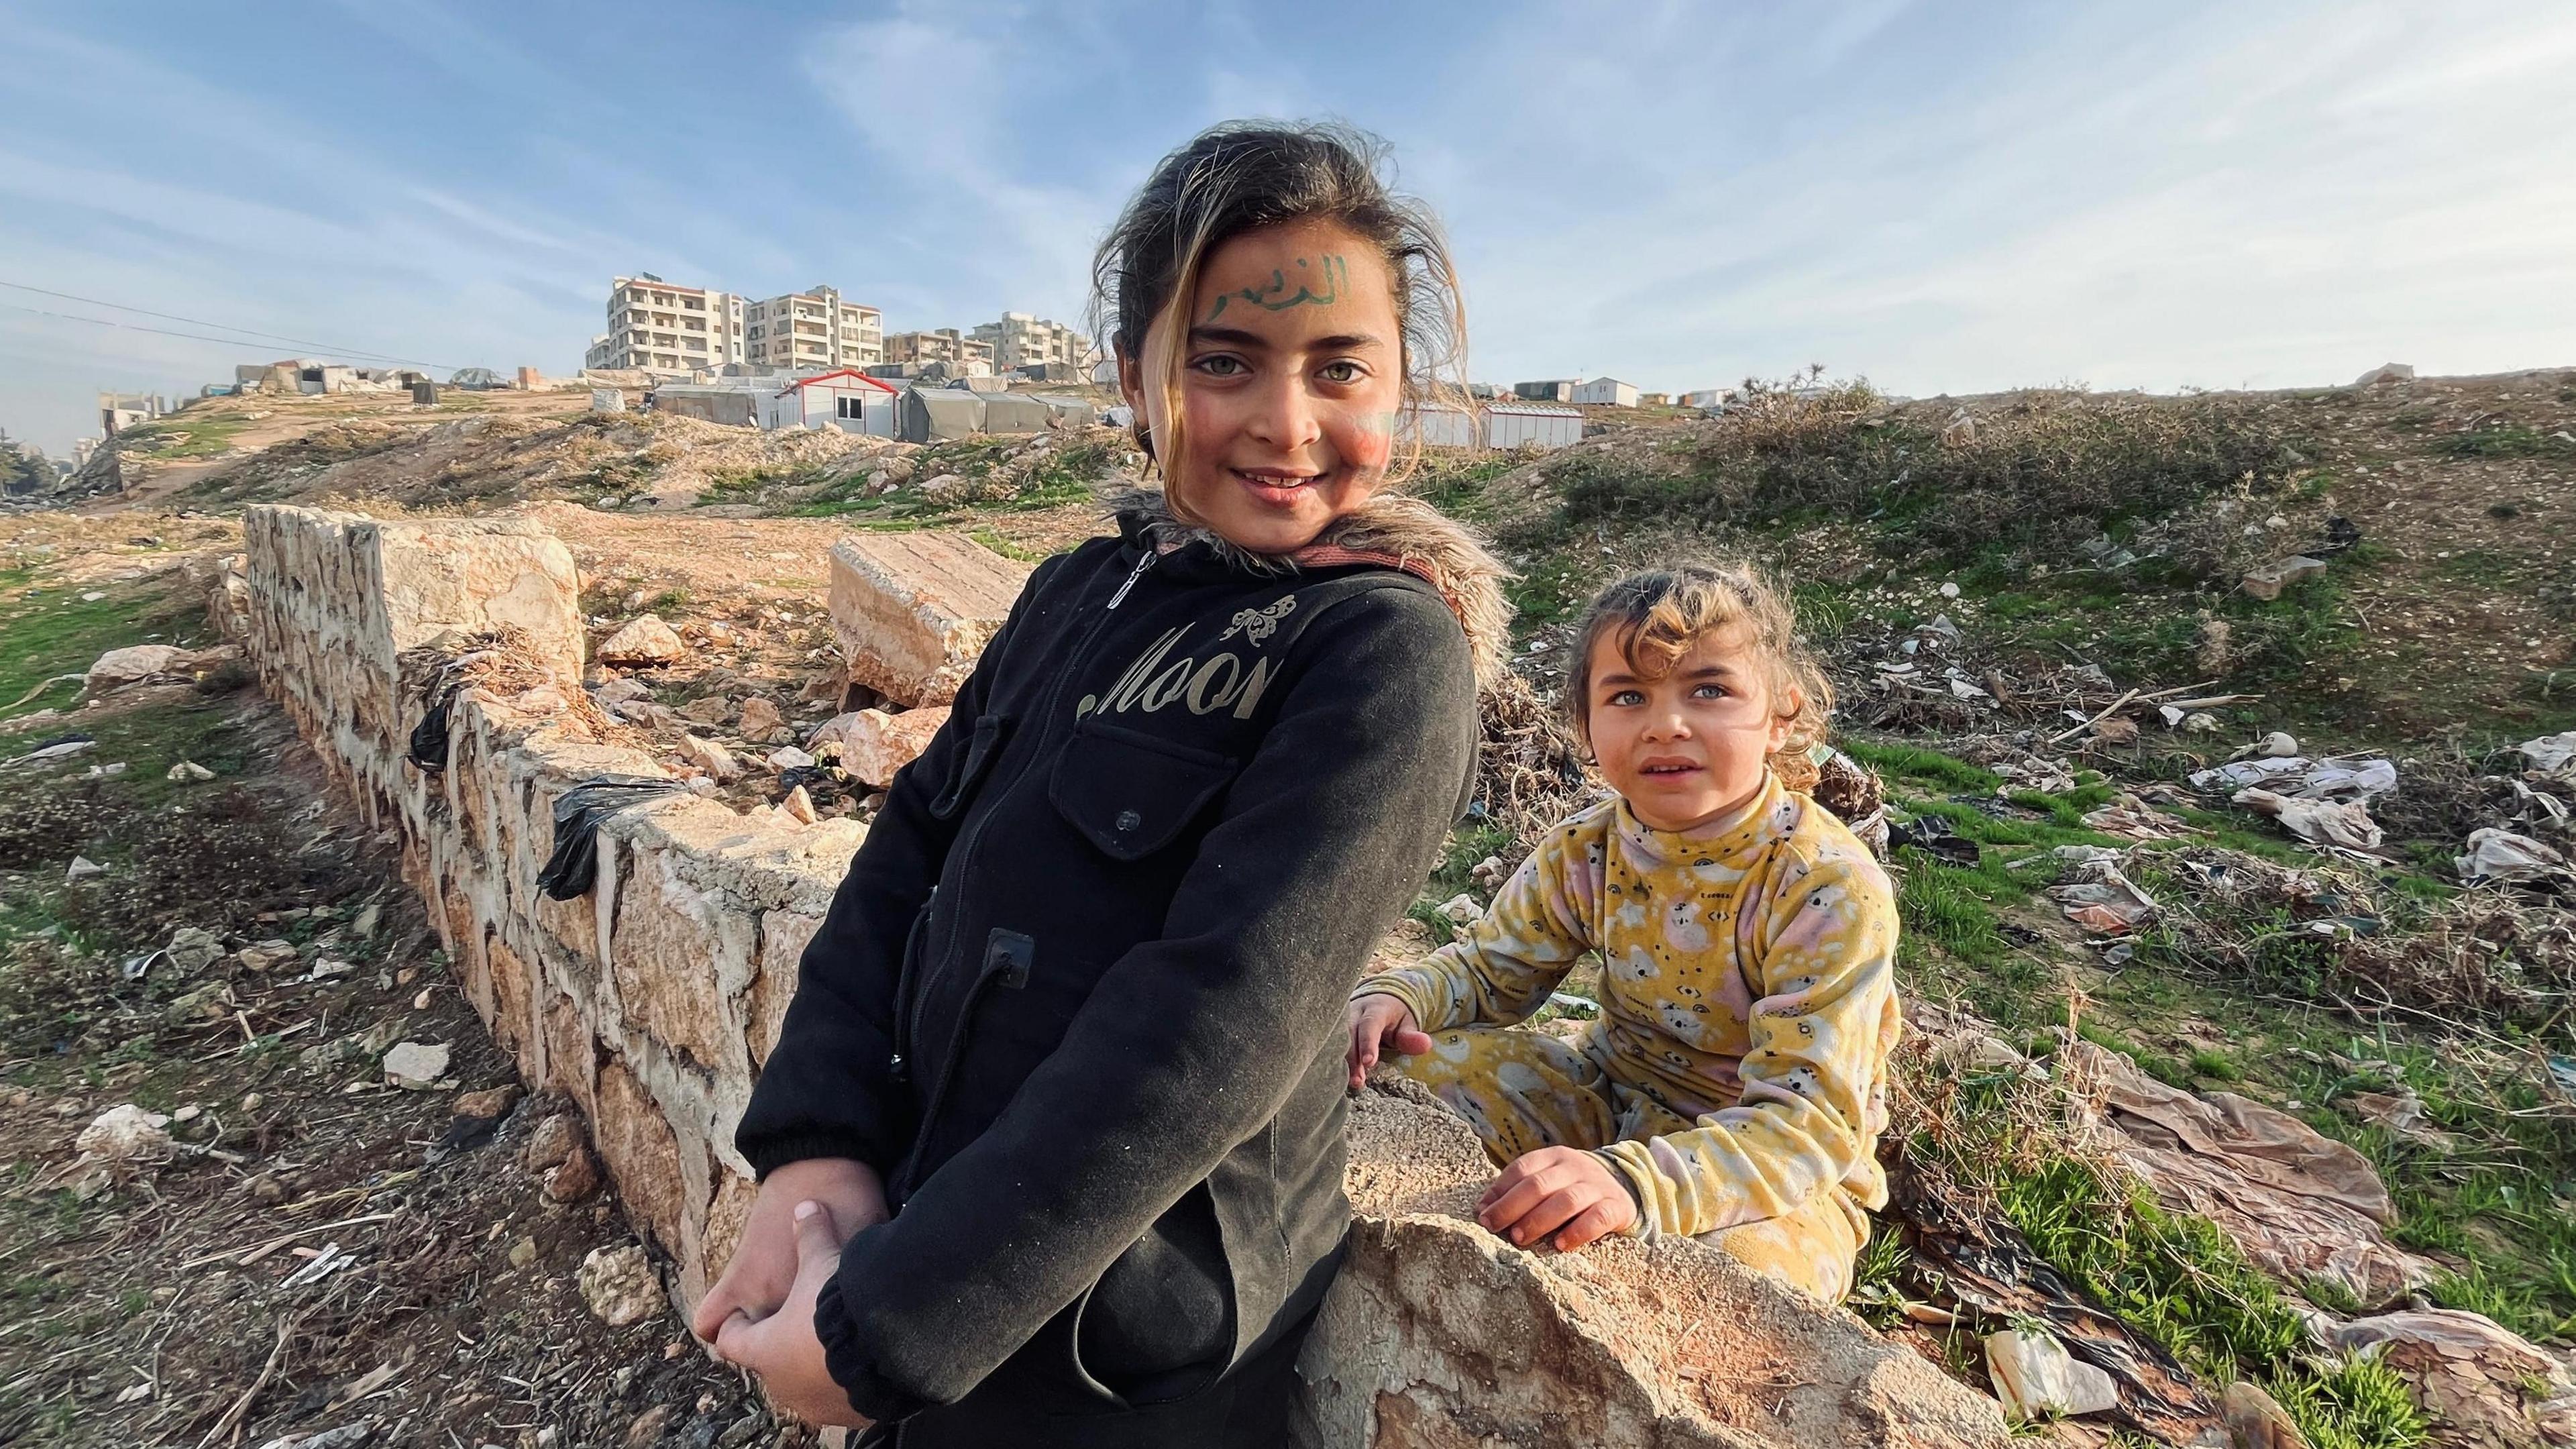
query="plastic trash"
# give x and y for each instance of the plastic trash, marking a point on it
(2500, 855)
(2337, 777)
(570, 870)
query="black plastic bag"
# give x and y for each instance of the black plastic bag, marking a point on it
(578, 812)
(429, 737)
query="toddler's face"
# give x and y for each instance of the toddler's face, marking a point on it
(1291, 368)
(1688, 747)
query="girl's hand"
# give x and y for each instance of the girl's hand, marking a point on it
(763, 1270)
(1561, 1190)
(1377, 1020)
(782, 1348)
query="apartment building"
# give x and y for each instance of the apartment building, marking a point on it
(965, 356)
(1021, 340)
(812, 329)
(656, 325)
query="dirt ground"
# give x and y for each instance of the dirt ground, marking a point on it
(314, 1248)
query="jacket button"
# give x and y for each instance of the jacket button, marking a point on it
(1129, 820)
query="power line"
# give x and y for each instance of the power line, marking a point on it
(195, 322)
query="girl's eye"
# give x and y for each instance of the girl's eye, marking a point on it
(1628, 697)
(1709, 691)
(1344, 371)
(1220, 365)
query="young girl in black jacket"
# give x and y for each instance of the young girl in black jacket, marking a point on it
(1051, 1143)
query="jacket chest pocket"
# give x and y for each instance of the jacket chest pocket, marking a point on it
(974, 759)
(1131, 793)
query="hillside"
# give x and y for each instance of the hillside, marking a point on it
(2035, 610)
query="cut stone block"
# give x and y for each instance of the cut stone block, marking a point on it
(913, 611)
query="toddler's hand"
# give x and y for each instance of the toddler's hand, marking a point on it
(1561, 1190)
(1378, 1020)
(782, 1348)
(763, 1270)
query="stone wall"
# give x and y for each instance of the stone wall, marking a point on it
(653, 1001)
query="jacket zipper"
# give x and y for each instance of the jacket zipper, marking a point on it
(901, 1064)
(965, 855)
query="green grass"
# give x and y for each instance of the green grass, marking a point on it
(2171, 1277)
(181, 436)
(51, 631)
(2508, 442)
(1469, 844)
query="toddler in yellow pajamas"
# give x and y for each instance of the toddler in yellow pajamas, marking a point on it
(1735, 1081)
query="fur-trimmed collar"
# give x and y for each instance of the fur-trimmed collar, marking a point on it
(1390, 530)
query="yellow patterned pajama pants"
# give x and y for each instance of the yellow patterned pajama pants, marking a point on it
(1523, 1089)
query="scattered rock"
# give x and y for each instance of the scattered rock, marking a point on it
(619, 690)
(799, 806)
(192, 950)
(574, 1178)
(82, 868)
(2037, 1379)
(267, 955)
(1461, 908)
(876, 744)
(788, 757)
(131, 665)
(415, 1064)
(2267, 582)
(123, 1139)
(2384, 373)
(913, 611)
(488, 1104)
(619, 1285)
(760, 720)
(709, 756)
(713, 709)
(188, 772)
(647, 1426)
(265, 1190)
(644, 640)
(523, 1252)
(554, 1139)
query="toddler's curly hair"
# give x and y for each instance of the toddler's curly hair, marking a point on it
(1659, 616)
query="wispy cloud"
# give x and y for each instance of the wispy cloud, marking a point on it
(1944, 198)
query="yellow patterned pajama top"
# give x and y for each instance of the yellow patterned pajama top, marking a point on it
(1737, 1075)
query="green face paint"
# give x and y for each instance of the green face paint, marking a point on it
(1329, 272)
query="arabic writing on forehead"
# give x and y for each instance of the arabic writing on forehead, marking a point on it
(1332, 272)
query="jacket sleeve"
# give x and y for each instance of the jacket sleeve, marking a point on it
(1514, 955)
(1815, 1080)
(1192, 1042)
(827, 1089)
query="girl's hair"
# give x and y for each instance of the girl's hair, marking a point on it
(1658, 617)
(1245, 175)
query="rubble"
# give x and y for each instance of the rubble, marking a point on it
(188, 772)
(619, 1285)
(709, 756)
(416, 1064)
(645, 640)
(875, 744)
(2267, 582)
(913, 611)
(192, 950)
(124, 1136)
(131, 665)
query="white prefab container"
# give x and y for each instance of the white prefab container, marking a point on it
(1606, 392)
(1437, 427)
(1513, 425)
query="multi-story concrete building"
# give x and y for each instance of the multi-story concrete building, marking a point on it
(812, 329)
(655, 325)
(965, 356)
(1021, 340)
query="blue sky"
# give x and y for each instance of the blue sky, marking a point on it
(1941, 197)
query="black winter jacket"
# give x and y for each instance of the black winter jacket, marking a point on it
(1079, 998)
